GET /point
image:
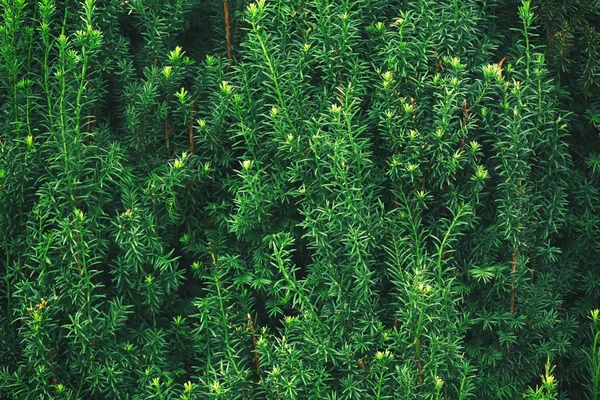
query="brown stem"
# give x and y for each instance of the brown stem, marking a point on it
(54, 381)
(227, 29)
(501, 63)
(252, 331)
(466, 112)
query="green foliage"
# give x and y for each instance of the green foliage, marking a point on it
(335, 199)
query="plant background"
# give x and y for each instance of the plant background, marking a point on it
(330, 199)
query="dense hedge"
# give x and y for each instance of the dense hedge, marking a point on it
(328, 199)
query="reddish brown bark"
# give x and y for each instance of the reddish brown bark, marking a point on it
(227, 29)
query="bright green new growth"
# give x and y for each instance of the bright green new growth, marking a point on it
(330, 199)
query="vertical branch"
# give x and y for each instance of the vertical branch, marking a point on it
(217, 279)
(227, 29)
(191, 127)
(9, 307)
(419, 361)
(514, 265)
(252, 331)
(465, 119)
(512, 287)
(54, 380)
(167, 134)
(594, 357)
